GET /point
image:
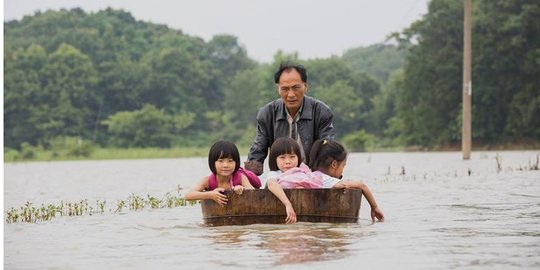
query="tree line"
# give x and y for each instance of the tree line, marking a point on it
(114, 81)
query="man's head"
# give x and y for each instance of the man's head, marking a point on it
(292, 85)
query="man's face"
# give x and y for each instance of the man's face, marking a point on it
(292, 90)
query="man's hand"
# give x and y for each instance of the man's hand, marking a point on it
(254, 166)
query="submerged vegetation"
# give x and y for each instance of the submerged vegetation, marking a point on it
(533, 165)
(30, 213)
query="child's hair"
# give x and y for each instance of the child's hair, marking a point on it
(223, 149)
(323, 152)
(283, 145)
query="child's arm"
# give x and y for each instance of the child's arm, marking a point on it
(275, 188)
(376, 212)
(197, 193)
(245, 185)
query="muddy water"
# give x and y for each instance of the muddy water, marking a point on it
(438, 217)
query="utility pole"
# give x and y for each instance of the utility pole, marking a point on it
(467, 84)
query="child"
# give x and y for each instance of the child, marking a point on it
(286, 167)
(327, 160)
(224, 162)
(287, 170)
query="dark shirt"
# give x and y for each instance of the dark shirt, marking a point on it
(315, 123)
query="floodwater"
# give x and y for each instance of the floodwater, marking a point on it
(437, 217)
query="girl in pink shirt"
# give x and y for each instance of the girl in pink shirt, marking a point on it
(224, 162)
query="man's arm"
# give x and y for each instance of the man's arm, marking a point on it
(259, 149)
(325, 126)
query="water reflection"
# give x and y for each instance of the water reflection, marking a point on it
(295, 244)
(224, 236)
(306, 245)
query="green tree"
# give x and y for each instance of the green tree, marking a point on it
(242, 96)
(22, 84)
(146, 127)
(506, 69)
(67, 104)
(328, 75)
(505, 73)
(228, 57)
(384, 105)
(378, 60)
(345, 104)
(428, 103)
(121, 84)
(178, 81)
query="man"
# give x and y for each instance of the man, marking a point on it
(295, 115)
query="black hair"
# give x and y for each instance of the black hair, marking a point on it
(223, 149)
(283, 145)
(323, 152)
(287, 66)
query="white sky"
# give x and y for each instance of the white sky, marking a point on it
(316, 28)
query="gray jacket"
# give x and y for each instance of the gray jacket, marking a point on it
(315, 123)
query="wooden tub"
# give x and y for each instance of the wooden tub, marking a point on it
(261, 206)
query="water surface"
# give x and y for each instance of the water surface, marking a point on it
(437, 217)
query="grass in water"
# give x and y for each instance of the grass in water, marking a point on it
(30, 213)
(533, 165)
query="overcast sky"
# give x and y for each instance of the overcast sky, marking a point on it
(313, 28)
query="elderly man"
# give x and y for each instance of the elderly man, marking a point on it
(295, 115)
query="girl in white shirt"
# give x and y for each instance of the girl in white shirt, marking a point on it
(327, 161)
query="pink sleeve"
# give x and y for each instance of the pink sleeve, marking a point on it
(300, 177)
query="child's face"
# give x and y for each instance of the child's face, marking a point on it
(225, 166)
(336, 169)
(287, 161)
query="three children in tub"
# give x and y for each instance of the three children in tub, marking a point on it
(327, 161)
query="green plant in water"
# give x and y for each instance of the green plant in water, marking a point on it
(499, 163)
(101, 206)
(133, 202)
(534, 166)
(119, 206)
(29, 213)
(153, 201)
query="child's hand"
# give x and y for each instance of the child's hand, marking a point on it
(340, 185)
(291, 215)
(218, 196)
(238, 189)
(377, 213)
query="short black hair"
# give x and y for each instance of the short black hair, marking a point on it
(286, 66)
(283, 145)
(223, 149)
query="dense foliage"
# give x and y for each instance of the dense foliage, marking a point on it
(111, 80)
(505, 74)
(108, 78)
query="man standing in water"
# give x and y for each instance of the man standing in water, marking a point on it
(303, 118)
